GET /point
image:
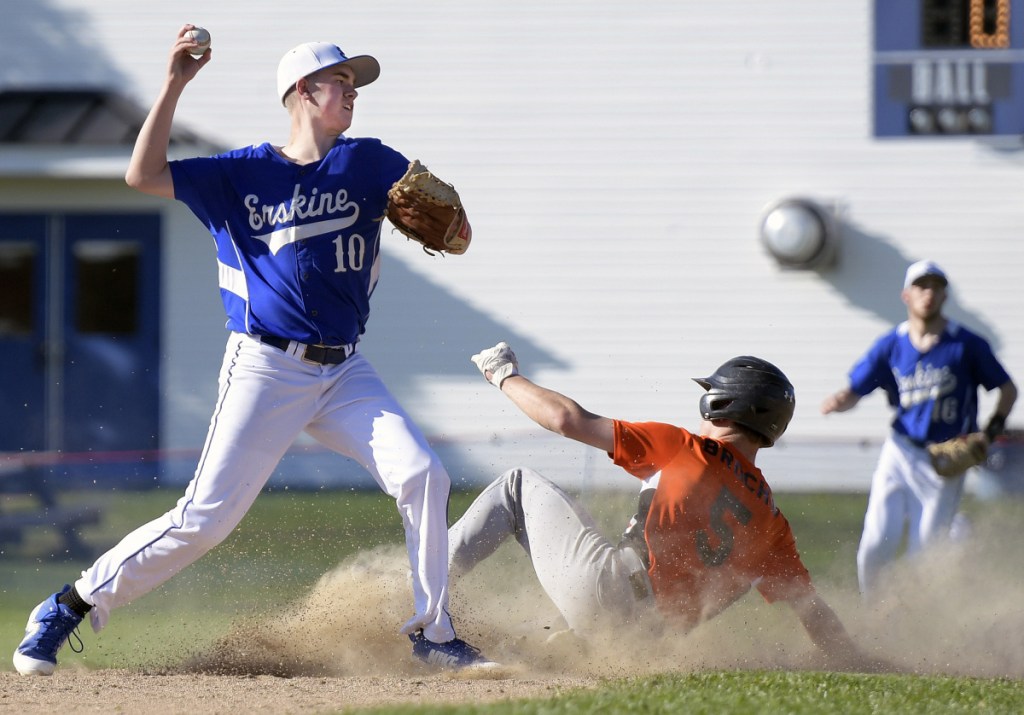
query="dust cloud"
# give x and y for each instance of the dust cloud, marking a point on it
(959, 610)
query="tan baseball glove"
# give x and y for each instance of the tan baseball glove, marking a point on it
(955, 456)
(429, 211)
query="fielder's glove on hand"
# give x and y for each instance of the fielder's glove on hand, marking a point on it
(955, 456)
(500, 361)
(429, 211)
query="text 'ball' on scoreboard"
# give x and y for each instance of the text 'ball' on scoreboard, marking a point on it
(948, 68)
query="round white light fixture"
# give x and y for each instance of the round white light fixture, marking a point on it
(799, 233)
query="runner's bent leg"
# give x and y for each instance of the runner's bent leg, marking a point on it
(576, 565)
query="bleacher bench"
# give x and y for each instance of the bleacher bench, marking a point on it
(21, 476)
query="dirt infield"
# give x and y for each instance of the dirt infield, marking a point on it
(338, 647)
(134, 693)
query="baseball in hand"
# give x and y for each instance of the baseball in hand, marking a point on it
(202, 37)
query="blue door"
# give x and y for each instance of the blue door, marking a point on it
(22, 333)
(80, 340)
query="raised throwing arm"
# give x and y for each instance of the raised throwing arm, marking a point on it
(148, 170)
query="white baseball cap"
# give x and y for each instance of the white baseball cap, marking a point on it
(919, 270)
(311, 57)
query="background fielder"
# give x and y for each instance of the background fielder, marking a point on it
(296, 230)
(930, 369)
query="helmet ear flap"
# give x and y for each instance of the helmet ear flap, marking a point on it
(717, 404)
(751, 392)
(705, 406)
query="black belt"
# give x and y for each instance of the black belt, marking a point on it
(320, 354)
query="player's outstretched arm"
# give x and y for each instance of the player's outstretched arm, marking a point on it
(148, 170)
(827, 632)
(551, 410)
(840, 401)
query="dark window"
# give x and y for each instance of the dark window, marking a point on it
(108, 286)
(17, 266)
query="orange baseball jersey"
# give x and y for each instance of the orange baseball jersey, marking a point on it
(713, 529)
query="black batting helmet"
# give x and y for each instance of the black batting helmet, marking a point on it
(751, 392)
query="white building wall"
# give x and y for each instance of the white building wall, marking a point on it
(615, 159)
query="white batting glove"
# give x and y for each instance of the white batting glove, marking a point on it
(500, 361)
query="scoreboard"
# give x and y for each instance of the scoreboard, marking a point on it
(948, 68)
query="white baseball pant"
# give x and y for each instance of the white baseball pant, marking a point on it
(266, 398)
(905, 492)
(590, 581)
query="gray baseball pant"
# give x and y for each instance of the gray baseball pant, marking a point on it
(593, 584)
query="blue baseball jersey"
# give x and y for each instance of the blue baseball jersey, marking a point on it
(935, 393)
(298, 247)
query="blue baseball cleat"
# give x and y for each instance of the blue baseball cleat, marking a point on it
(456, 654)
(49, 626)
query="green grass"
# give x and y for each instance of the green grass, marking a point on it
(763, 693)
(289, 539)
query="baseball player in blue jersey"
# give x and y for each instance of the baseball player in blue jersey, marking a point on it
(930, 368)
(296, 231)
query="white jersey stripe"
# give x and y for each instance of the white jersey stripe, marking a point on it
(232, 280)
(282, 237)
